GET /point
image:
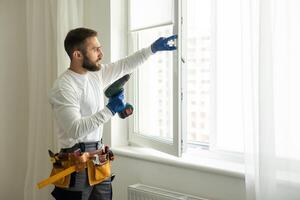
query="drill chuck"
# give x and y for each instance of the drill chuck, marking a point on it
(116, 87)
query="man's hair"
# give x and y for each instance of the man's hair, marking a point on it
(75, 40)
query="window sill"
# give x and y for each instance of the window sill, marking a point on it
(222, 167)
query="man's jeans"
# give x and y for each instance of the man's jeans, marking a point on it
(81, 190)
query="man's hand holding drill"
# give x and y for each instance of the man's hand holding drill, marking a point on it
(116, 103)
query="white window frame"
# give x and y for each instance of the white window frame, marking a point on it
(171, 147)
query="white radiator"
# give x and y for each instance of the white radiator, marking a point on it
(144, 192)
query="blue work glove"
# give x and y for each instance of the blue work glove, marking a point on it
(116, 104)
(164, 44)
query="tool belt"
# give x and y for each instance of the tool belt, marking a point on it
(98, 164)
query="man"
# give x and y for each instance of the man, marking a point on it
(78, 103)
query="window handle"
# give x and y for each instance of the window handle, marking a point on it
(182, 60)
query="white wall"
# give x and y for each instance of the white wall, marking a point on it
(199, 183)
(13, 99)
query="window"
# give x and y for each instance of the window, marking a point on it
(191, 98)
(154, 120)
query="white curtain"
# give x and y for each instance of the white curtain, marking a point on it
(271, 71)
(48, 21)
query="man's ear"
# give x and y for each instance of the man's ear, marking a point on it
(77, 54)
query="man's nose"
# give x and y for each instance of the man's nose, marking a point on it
(100, 55)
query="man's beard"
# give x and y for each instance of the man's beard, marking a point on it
(88, 65)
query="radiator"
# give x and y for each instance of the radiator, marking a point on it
(145, 192)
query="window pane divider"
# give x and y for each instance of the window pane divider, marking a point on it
(151, 27)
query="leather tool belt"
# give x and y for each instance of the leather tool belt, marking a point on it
(98, 164)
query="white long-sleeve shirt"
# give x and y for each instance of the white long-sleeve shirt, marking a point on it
(78, 103)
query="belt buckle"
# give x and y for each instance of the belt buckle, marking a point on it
(81, 146)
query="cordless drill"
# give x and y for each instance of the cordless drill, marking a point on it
(114, 89)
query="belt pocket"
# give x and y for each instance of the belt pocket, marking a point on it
(64, 182)
(98, 173)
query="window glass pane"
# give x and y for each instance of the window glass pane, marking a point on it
(154, 88)
(214, 93)
(229, 124)
(145, 13)
(198, 70)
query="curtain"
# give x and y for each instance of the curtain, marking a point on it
(271, 60)
(47, 24)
